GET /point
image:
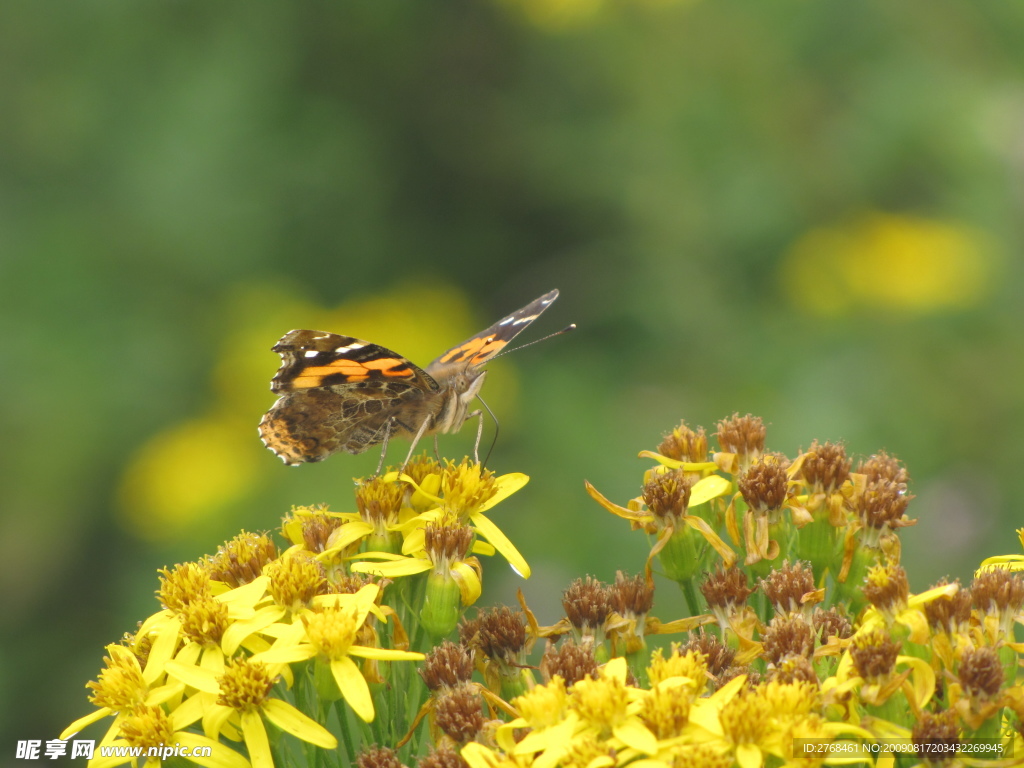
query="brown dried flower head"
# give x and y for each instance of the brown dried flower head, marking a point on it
(742, 435)
(685, 444)
(826, 467)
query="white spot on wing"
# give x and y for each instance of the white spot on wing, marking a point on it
(349, 348)
(311, 353)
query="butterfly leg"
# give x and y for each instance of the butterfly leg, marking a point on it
(480, 429)
(416, 439)
(479, 415)
(384, 445)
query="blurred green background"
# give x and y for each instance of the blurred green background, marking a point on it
(808, 211)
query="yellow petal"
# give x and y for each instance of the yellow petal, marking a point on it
(507, 485)
(82, 722)
(686, 466)
(406, 566)
(347, 535)
(215, 721)
(481, 547)
(633, 734)
(726, 461)
(493, 534)
(615, 509)
(164, 693)
(384, 654)
(289, 634)
(415, 541)
(190, 653)
(538, 741)
(428, 490)
(153, 623)
(197, 677)
(163, 648)
(653, 626)
(288, 718)
(247, 594)
(616, 669)
(723, 549)
(364, 601)
(705, 711)
(286, 654)
(109, 762)
(708, 488)
(469, 582)
(918, 624)
(353, 687)
(747, 755)
(256, 740)
(221, 756)
(478, 756)
(1009, 562)
(212, 661)
(188, 712)
(922, 679)
(240, 630)
(943, 590)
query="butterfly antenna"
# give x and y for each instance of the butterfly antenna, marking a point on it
(571, 327)
(494, 442)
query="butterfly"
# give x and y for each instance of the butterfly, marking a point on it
(339, 393)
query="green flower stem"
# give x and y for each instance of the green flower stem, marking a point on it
(850, 591)
(638, 661)
(347, 740)
(1009, 660)
(895, 709)
(694, 602)
(368, 732)
(816, 543)
(989, 730)
(683, 553)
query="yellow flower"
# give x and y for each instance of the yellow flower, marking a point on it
(242, 701)
(445, 546)
(204, 627)
(120, 689)
(545, 710)
(668, 515)
(747, 723)
(329, 632)
(454, 577)
(467, 490)
(690, 665)
(611, 708)
(911, 614)
(149, 726)
(891, 262)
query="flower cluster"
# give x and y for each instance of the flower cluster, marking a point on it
(801, 625)
(256, 642)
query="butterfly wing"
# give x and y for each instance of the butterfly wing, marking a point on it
(486, 344)
(321, 359)
(338, 393)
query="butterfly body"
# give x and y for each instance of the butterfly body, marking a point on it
(339, 393)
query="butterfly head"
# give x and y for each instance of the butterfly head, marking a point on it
(460, 384)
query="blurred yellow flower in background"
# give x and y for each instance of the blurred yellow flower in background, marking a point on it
(186, 472)
(558, 15)
(199, 469)
(889, 262)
